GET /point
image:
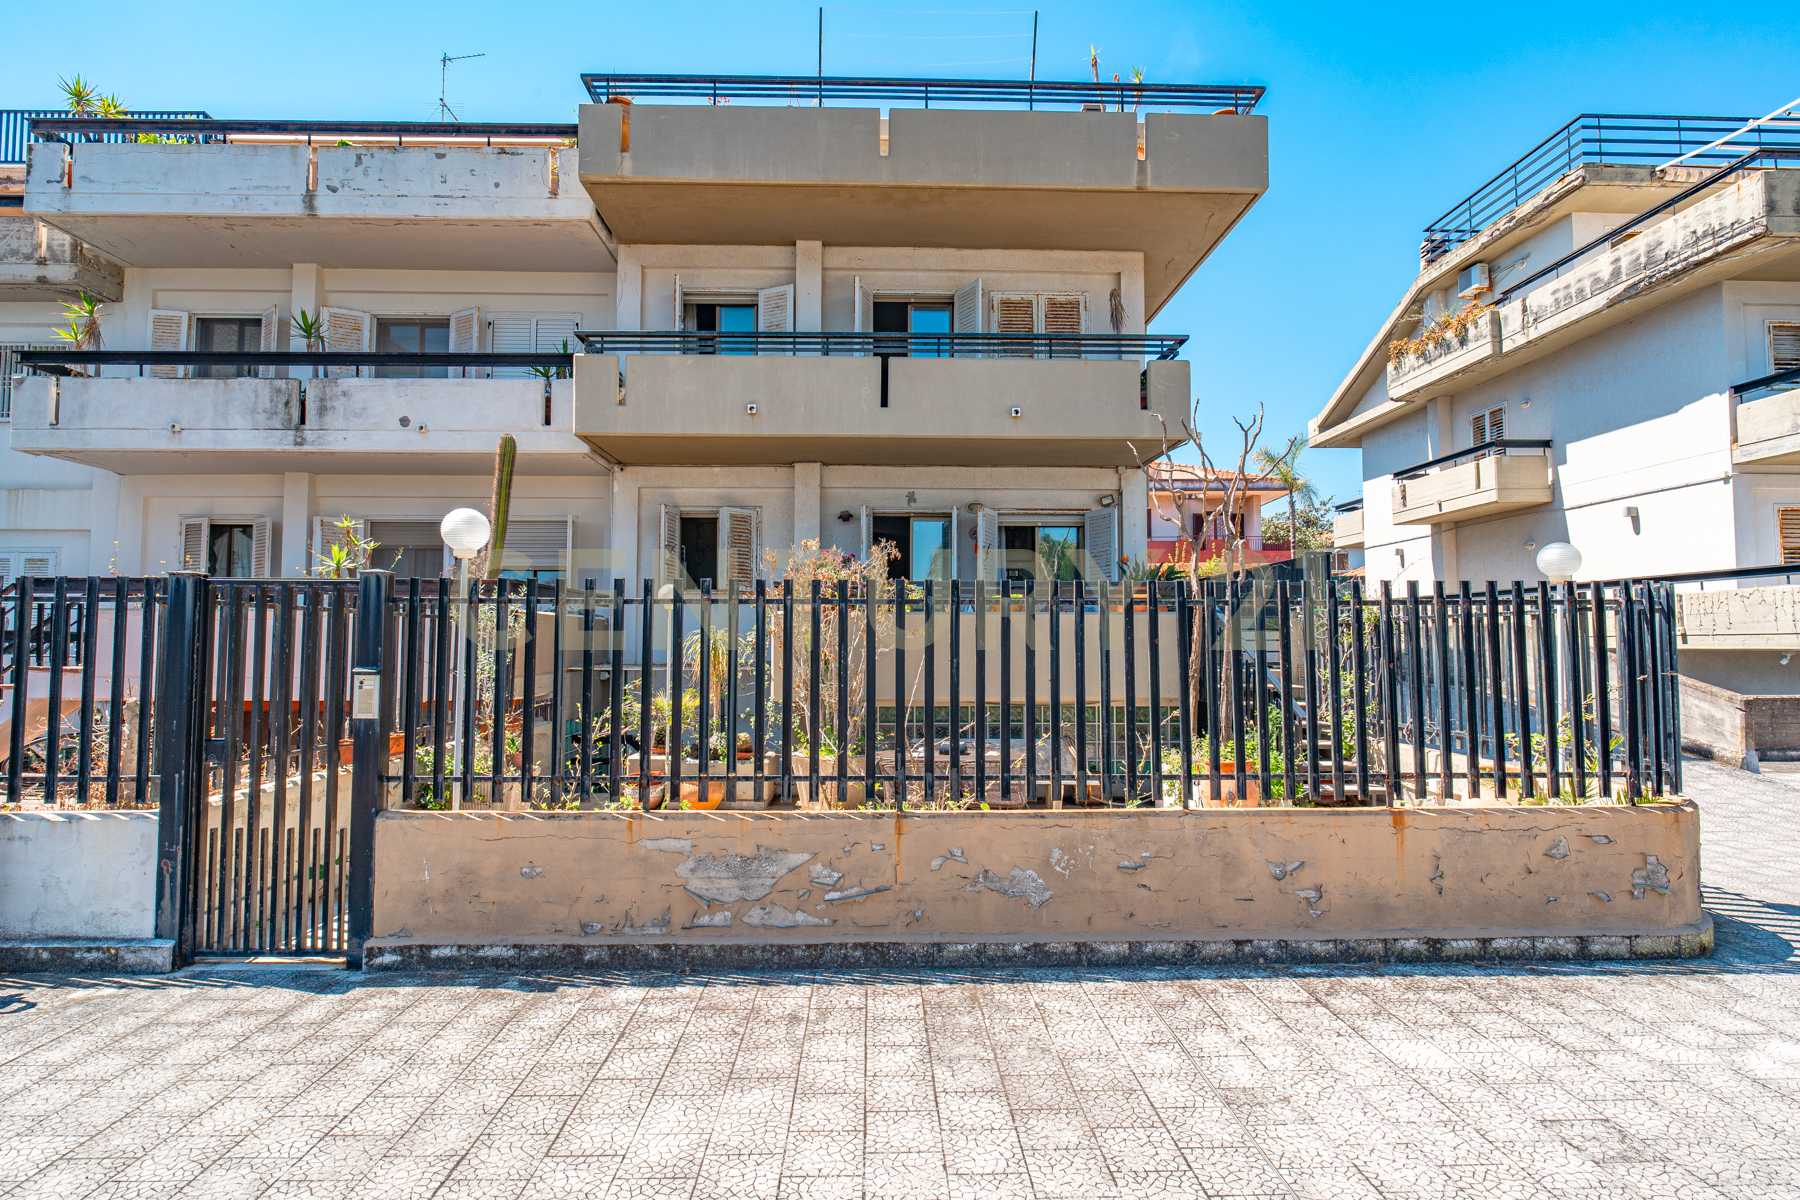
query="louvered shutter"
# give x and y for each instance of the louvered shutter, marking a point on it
(1065, 316)
(670, 544)
(966, 307)
(8, 567)
(195, 532)
(347, 331)
(1788, 527)
(537, 546)
(269, 337)
(868, 533)
(1100, 529)
(678, 318)
(556, 333)
(955, 544)
(40, 563)
(1496, 424)
(326, 534)
(260, 531)
(512, 333)
(858, 298)
(987, 545)
(737, 545)
(1784, 345)
(775, 311)
(465, 338)
(168, 331)
(1015, 313)
(1478, 429)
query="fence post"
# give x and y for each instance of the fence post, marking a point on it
(180, 693)
(369, 737)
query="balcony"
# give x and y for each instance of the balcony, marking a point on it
(1740, 618)
(1347, 526)
(1492, 478)
(893, 399)
(293, 411)
(1768, 420)
(1443, 355)
(345, 194)
(1012, 175)
(41, 263)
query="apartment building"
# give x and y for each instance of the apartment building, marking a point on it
(716, 330)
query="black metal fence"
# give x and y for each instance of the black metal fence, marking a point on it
(817, 90)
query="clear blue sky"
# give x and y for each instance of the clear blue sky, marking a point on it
(1379, 118)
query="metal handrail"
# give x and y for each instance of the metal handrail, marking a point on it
(15, 126)
(942, 345)
(1755, 159)
(61, 129)
(817, 89)
(48, 361)
(1481, 450)
(1766, 383)
(1348, 506)
(1592, 138)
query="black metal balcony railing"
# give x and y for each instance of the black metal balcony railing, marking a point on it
(1484, 450)
(54, 127)
(15, 127)
(1348, 506)
(247, 362)
(1767, 385)
(816, 90)
(899, 345)
(1624, 139)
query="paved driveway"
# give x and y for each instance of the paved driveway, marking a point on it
(1566, 1081)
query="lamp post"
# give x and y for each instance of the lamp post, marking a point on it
(466, 532)
(1559, 561)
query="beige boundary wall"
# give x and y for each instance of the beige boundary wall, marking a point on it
(603, 887)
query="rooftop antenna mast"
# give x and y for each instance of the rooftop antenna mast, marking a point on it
(444, 61)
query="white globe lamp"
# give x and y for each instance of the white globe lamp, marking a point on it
(1559, 561)
(465, 531)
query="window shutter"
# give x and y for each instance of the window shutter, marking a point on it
(168, 331)
(671, 545)
(1496, 424)
(1100, 529)
(737, 552)
(678, 319)
(966, 308)
(269, 337)
(40, 563)
(987, 545)
(8, 568)
(1066, 316)
(1784, 345)
(259, 547)
(955, 543)
(540, 545)
(1015, 314)
(327, 534)
(556, 333)
(1788, 528)
(465, 338)
(868, 533)
(858, 299)
(775, 309)
(194, 531)
(1478, 429)
(512, 333)
(347, 331)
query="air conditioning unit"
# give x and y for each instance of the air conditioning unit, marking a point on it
(1474, 282)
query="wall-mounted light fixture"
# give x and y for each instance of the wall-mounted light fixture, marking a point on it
(1108, 501)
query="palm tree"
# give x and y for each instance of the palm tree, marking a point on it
(1284, 468)
(80, 94)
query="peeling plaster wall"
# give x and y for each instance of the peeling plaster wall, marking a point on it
(1273, 873)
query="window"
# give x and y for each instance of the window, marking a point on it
(226, 335)
(531, 333)
(412, 335)
(700, 549)
(724, 317)
(1787, 530)
(410, 549)
(1784, 345)
(229, 549)
(1049, 551)
(36, 563)
(916, 317)
(1021, 312)
(1488, 425)
(717, 544)
(923, 544)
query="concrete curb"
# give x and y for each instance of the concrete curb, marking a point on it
(400, 954)
(81, 956)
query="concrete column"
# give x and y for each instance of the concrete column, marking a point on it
(296, 522)
(1131, 293)
(129, 529)
(306, 293)
(809, 287)
(623, 545)
(1134, 512)
(628, 305)
(103, 524)
(806, 503)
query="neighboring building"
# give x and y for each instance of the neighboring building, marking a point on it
(789, 323)
(1187, 515)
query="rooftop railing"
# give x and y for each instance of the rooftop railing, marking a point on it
(818, 90)
(15, 127)
(915, 345)
(1624, 139)
(247, 363)
(184, 127)
(1484, 450)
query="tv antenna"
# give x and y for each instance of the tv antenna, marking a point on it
(444, 61)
